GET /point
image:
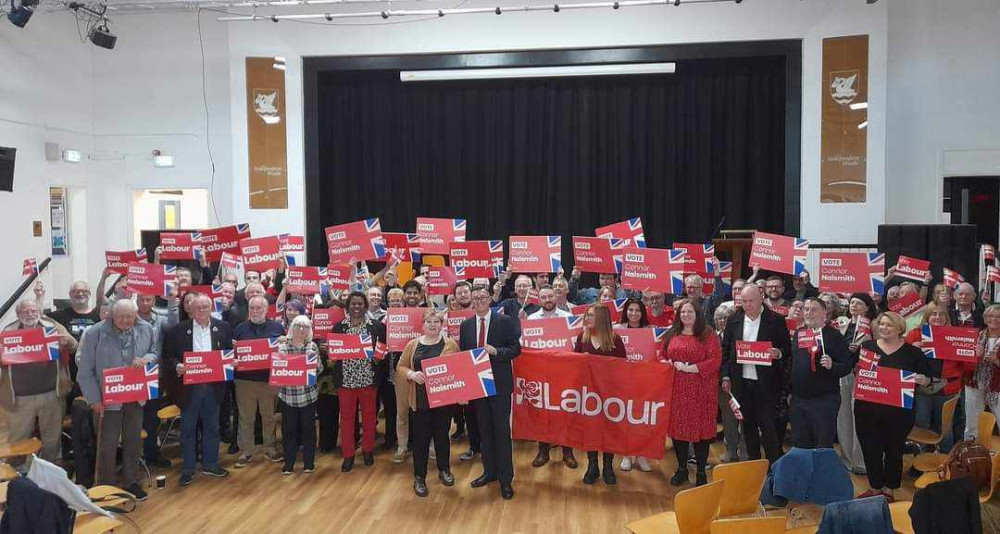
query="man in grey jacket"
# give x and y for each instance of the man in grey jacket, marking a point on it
(118, 341)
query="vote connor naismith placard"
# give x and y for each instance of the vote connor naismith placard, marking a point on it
(458, 377)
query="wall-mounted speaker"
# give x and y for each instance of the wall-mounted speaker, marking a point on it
(7, 168)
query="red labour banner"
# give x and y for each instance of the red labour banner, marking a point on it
(130, 384)
(909, 305)
(404, 247)
(653, 269)
(885, 385)
(356, 241)
(779, 253)
(558, 333)
(29, 345)
(454, 321)
(305, 280)
(215, 241)
(642, 344)
(323, 320)
(458, 377)
(346, 346)
(440, 280)
(535, 253)
(254, 354)
(294, 370)
(852, 272)
(180, 246)
(598, 254)
(629, 231)
(261, 253)
(292, 243)
(402, 325)
(118, 261)
(151, 278)
(209, 366)
(592, 403)
(753, 353)
(912, 268)
(436, 235)
(339, 276)
(956, 343)
(477, 259)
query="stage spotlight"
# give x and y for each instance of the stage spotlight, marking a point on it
(20, 13)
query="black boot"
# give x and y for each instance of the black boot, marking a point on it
(680, 477)
(593, 472)
(700, 478)
(609, 470)
(347, 465)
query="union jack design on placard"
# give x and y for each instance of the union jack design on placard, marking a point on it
(378, 245)
(927, 341)
(458, 225)
(229, 364)
(906, 393)
(373, 225)
(366, 343)
(951, 278)
(140, 254)
(726, 272)
(989, 253)
(799, 255)
(459, 272)
(496, 246)
(876, 272)
(659, 334)
(574, 321)
(376, 353)
(312, 361)
(243, 229)
(30, 267)
(231, 261)
(481, 360)
(555, 257)
(169, 278)
(677, 282)
(153, 380)
(51, 342)
(635, 224)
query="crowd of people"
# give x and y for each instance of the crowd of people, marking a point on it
(817, 341)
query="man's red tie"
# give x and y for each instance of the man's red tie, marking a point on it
(482, 332)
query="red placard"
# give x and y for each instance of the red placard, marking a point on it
(402, 325)
(305, 280)
(180, 246)
(779, 253)
(294, 370)
(535, 253)
(551, 332)
(458, 377)
(254, 354)
(477, 259)
(275, 312)
(261, 253)
(209, 366)
(356, 241)
(339, 276)
(598, 254)
(216, 241)
(909, 305)
(863, 328)
(957, 343)
(642, 344)
(629, 231)
(753, 353)
(992, 274)
(120, 385)
(698, 258)
(852, 272)
(118, 261)
(214, 292)
(868, 359)
(291, 244)
(580, 401)
(347, 346)
(440, 280)
(885, 385)
(453, 322)
(29, 267)
(807, 338)
(615, 308)
(323, 320)
(231, 261)
(792, 325)
(437, 234)
(951, 278)
(29, 345)
(653, 269)
(912, 268)
(151, 278)
(402, 247)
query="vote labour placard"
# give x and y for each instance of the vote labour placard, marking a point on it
(753, 353)
(346, 346)
(29, 345)
(216, 241)
(118, 261)
(294, 370)
(629, 231)
(261, 253)
(151, 278)
(912, 268)
(180, 246)
(402, 325)
(458, 377)
(130, 384)
(477, 259)
(551, 332)
(254, 354)
(885, 385)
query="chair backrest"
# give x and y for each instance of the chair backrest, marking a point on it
(753, 525)
(947, 416)
(994, 477)
(744, 481)
(986, 423)
(697, 507)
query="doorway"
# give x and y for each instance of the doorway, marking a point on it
(168, 209)
(975, 200)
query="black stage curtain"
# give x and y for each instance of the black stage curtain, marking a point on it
(556, 156)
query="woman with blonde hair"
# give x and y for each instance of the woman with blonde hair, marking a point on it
(298, 403)
(929, 402)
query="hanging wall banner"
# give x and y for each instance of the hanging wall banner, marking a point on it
(844, 151)
(266, 143)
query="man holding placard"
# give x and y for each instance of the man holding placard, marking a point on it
(256, 340)
(116, 342)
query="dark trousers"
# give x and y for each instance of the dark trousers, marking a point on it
(228, 414)
(328, 408)
(387, 396)
(814, 421)
(202, 406)
(700, 454)
(882, 432)
(150, 423)
(758, 421)
(493, 417)
(433, 423)
(298, 427)
(472, 427)
(544, 448)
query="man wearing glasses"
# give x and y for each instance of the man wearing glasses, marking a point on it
(80, 315)
(775, 301)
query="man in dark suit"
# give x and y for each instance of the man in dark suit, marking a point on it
(756, 387)
(198, 401)
(501, 337)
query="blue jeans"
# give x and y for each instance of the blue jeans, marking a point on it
(203, 405)
(928, 415)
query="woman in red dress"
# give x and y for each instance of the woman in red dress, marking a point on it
(696, 354)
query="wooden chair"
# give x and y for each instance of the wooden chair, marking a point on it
(901, 523)
(931, 461)
(87, 523)
(744, 481)
(18, 449)
(7, 473)
(108, 497)
(753, 525)
(987, 422)
(985, 497)
(170, 415)
(695, 509)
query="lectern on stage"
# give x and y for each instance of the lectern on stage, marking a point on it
(737, 244)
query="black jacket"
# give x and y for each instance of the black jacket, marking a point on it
(822, 382)
(176, 342)
(504, 334)
(773, 329)
(32, 510)
(948, 507)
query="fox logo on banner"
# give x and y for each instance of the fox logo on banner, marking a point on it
(852, 272)
(254, 354)
(209, 366)
(436, 235)
(885, 385)
(120, 385)
(458, 377)
(535, 253)
(629, 231)
(598, 254)
(779, 253)
(30, 267)
(909, 305)
(951, 278)
(294, 370)
(477, 259)
(151, 278)
(642, 344)
(401, 247)
(551, 332)
(29, 345)
(118, 261)
(180, 246)
(956, 343)
(912, 268)
(306, 280)
(217, 241)
(653, 269)
(356, 241)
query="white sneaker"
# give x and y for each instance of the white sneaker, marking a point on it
(644, 465)
(626, 464)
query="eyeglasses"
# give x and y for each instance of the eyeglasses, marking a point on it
(480, 299)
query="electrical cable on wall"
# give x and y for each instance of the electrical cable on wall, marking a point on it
(208, 138)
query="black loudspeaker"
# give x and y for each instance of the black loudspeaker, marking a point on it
(7, 168)
(945, 245)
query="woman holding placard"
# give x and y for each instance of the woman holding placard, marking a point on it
(298, 403)
(862, 311)
(984, 387)
(928, 402)
(634, 316)
(427, 422)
